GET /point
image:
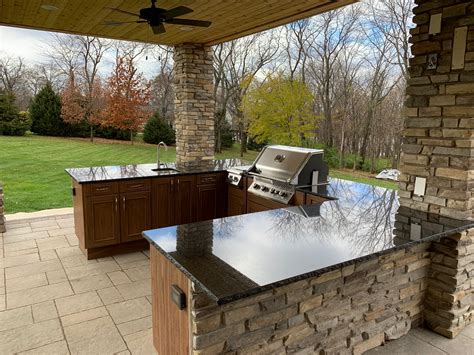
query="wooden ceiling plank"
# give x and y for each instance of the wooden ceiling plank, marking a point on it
(282, 21)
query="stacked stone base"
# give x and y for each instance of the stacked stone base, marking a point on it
(449, 304)
(2, 211)
(347, 310)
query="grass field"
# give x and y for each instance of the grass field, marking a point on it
(33, 176)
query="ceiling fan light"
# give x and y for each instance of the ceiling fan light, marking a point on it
(49, 7)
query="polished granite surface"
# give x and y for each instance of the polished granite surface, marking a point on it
(122, 172)
(235, 257)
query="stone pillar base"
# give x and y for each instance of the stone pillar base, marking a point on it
(449, 303)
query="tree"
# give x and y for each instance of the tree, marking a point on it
(11, 122)
(79, 107)
(157, 130)
(127, 97)
(280, 110)
(45, 112)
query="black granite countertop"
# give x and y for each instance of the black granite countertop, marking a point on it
(123, 172)
(235, 257)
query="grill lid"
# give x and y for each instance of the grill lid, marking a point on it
(282, 163)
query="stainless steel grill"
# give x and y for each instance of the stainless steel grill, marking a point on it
(279, 170)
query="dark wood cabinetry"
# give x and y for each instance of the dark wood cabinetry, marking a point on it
(237, 200)
(135, 215)
(313, 199)
(211, 197)
(110, 214)
(162, 207)
(173, 201)
(102, 224)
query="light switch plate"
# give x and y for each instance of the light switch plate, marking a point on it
(420, 186)
(435, 24)
(459, 47)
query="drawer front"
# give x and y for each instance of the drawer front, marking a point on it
(207, 179)
(135, 185)
(102, 188)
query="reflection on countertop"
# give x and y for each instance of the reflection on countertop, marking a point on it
(234, 257)
(268, 247)
(122, 172)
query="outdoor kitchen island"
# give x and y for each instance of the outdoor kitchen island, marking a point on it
(342, 276)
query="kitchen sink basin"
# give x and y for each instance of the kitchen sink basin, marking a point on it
(166, 170)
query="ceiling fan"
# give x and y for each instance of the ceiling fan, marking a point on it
(156, 17)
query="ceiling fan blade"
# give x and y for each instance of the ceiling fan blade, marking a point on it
(157, 29)
(182, 21)
(122, 11)
(177, 11)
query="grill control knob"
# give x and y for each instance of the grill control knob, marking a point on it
(282, 193)
(256, 187)
(272, 190)
(265, 189)
(236, 178)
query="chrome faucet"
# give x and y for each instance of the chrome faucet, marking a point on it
(158, 153)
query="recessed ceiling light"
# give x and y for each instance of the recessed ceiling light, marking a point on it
(186, 28)
(49, 7)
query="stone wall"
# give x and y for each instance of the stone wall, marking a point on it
(2, 211)
(347, 310)
(438, 137)
(449, 304)
(194, 104)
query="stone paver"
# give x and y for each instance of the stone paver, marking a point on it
(129, 310)
(98, 336)
(61, 303)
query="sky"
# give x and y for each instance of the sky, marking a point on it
(31, 44)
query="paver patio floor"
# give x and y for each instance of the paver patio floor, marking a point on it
(54, 301)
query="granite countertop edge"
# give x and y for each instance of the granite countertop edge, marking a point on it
(152, 175)
(307, 275)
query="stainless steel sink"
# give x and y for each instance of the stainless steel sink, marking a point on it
(164, 170)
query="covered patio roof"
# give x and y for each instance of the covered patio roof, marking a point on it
(230, 19)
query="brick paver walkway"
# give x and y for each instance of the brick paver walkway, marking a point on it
(54, 301)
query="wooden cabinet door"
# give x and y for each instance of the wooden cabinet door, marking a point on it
(102, 221)
(256, 207)
(236, 203)
(184, 195)
(313, 199)
(162, 202)
(207, 202)
(135, 215)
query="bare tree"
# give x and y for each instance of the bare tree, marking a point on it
(247, 57)
(334, 31)
(162, 85)
(12, 72)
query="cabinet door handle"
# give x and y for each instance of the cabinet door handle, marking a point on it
(172, 185)
(178, 184)
(123, 203)
(116, 204)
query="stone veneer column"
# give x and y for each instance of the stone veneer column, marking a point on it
(2, 211)
(438, 136)
(194, 104)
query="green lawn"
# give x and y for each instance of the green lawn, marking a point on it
(33, 176)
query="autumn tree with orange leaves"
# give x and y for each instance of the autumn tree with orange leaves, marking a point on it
(78, 106)
(128, 95)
